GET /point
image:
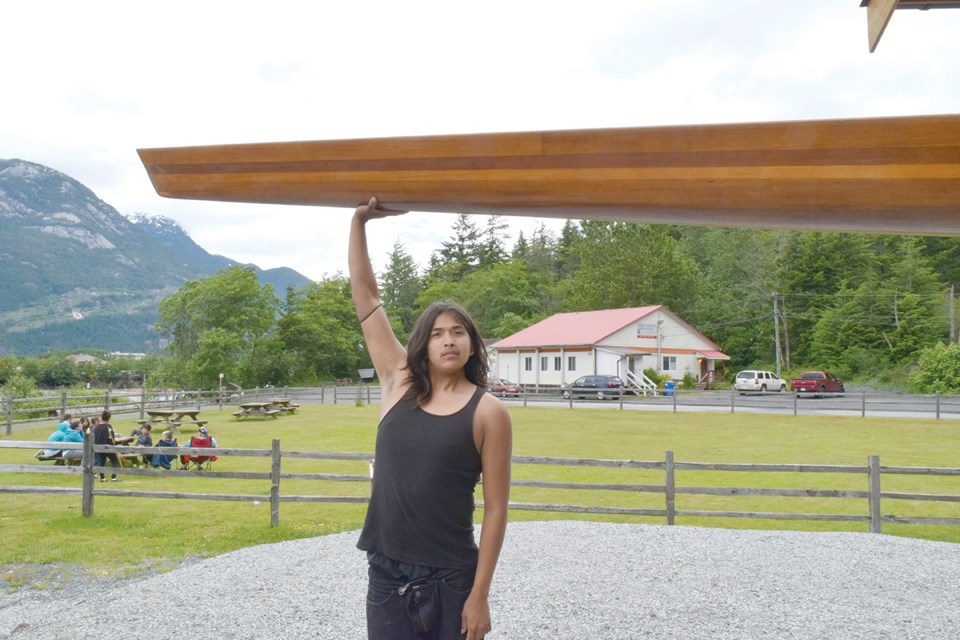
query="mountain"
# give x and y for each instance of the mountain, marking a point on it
(76, 274)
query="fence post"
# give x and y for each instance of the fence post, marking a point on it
(335, 395)
(368, 394)
(676, 392)
(670, 488)
(9, 412)
(275, 483)
(938, 404)
(795, 396)
(106, 400)
(199, 400)
(63, 403)
(87, 463)
(733, 394)
(143, 401)
(863, 405)
(873, 475)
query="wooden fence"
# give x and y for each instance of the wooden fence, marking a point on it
(872, 495)
(27, 411)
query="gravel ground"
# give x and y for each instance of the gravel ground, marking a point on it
(555, 580)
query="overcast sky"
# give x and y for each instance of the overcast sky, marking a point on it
(84, 84)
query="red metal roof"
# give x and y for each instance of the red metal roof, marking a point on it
(713, 355)
(575, 328)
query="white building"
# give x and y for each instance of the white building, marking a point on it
(621, 342)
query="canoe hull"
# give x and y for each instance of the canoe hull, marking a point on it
(884, 175)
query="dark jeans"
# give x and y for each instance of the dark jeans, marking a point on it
(411, 602)
(99, 460)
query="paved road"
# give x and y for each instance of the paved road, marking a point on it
(852, 404)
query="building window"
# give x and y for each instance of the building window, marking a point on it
(544, 363)
(571, 363)
(557, 361)
(528, 364)
(669, 363)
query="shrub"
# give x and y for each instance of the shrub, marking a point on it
(939, 369)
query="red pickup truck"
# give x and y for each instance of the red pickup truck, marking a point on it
(817, 382)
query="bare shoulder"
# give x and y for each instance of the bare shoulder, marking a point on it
(492, 414)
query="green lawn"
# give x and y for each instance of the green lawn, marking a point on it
(134, 534)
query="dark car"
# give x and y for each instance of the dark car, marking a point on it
(817, 382)
(600, 387)
(503, 388)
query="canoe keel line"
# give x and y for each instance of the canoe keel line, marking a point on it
(877, 175)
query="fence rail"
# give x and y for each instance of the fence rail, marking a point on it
(872, 494)
(26, 411)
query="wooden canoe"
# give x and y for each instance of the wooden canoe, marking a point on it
(884, 175)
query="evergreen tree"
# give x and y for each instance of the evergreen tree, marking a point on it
(460, 255)
(521, 250)
(813, 268)
(400, 285)
(492, 249)
(629, 265)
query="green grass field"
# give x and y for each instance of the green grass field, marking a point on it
(138, 534)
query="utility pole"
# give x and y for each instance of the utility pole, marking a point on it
(953, 316)
(776, 330)
(659, 347)
(786, 333)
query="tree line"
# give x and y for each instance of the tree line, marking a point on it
(869, 307)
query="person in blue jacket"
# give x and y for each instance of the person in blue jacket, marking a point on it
(57, 435)
(160, 460)
(74, 434)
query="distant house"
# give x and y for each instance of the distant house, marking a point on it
(82, 358)
(621, 342)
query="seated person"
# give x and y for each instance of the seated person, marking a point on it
(162, 460)
(57, 436)
(144, 439)
(203, 439)
(74, 434)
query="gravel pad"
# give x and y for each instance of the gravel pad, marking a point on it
(555, 580)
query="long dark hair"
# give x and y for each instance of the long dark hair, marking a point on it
(418, 369)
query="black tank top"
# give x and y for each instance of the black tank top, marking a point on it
(425, 472)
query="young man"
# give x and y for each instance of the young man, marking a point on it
(438, 432)
(103, 434)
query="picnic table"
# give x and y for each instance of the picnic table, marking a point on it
(172, 418)
(285, 405)
(256, 409)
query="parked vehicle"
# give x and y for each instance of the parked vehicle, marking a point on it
(758, 380)
(817, 382)
(601, 387)
(504, 388)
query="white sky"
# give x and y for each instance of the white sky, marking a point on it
(84, 84)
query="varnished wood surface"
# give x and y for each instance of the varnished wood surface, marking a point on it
(889, 175)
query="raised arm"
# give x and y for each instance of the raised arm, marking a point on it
(386, 352)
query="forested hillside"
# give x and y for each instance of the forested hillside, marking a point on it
(864, 306)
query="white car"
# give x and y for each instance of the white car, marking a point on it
(757, 380)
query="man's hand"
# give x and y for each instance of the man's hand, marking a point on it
(372, 210)
(475, 619)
